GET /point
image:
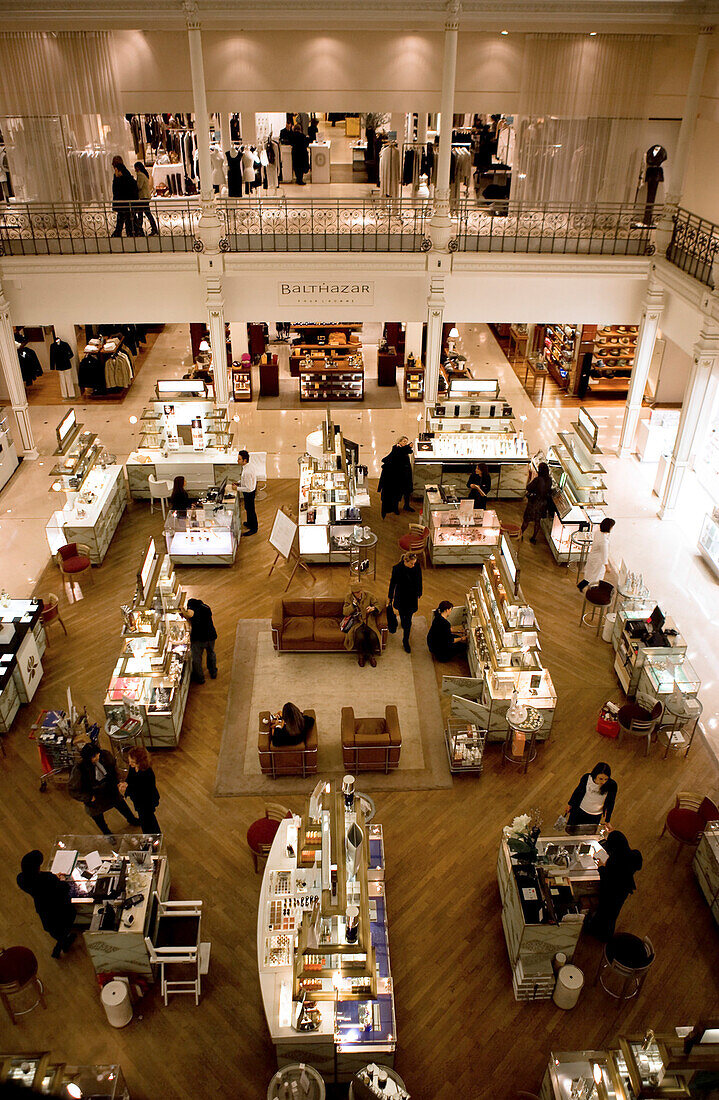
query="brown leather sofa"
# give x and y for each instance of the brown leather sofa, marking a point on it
(287, 759)
(371, 744)
(313, 624)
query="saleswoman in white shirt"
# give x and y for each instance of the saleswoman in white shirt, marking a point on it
(593, 798)
(598, 556)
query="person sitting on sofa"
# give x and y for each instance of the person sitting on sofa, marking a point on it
(364, 632)
(293, 727)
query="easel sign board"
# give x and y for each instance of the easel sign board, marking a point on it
(284, 532)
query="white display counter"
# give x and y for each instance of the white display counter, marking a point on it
(92, 516)
(8, 454)
(200, 469)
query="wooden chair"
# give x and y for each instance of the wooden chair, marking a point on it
(638, 722)
(262, 832)
(688, 818)
(159, 490)
(416, 540)
(51, 612)
(74, 559)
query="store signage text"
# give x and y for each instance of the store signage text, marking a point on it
(333, 294)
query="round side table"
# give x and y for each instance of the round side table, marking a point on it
(679, 715)
(395, 1085)
(363, 556)
(289, 1075)
(529, 726)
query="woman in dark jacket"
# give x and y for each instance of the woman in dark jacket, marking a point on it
(539, 492)
(396, 477)
(293, 728)
(479, 483)
(592, 800)
(124, 192)
(300, 155)
(179, 499)
(52, 900)
(616, 883)
(141, 788)
(405, 589)
(442, 641)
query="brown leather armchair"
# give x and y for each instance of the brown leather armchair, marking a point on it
(287, 759)
(371, 744)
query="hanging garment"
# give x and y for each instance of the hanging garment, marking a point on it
(61, 355)
(91, 374)
(274, 162)
(234, 173)
(29, 365)
(304, 121)
(389, 171)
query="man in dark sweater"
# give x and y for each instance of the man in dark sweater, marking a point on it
(202, 637)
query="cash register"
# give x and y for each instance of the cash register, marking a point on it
(650, 632)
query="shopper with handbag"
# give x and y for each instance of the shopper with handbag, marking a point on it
(539, 491)
(360, 627)
(405, 589)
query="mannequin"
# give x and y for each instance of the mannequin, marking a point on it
(234, 173)
(219, 168)
(249, 160)
(653, 176)
(29, 364)
(61, 360)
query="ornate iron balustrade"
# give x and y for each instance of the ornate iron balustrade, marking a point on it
(598, 229)
(693, 246)
(325, 225)
(62, 229)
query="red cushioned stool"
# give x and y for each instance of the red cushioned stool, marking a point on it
(18, 972)
(416, 540)
(688, 818)
(262, 832)
(73, 560)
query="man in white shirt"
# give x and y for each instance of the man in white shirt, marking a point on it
(248, 487)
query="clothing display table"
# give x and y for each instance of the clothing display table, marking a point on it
(363, 555)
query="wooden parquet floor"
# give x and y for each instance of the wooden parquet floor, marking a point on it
(461, 1033)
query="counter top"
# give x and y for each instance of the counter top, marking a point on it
(145, 457)
(17, 619)
(100, 482)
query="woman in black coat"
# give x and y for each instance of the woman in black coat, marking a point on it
(52, 900)
(293, 728)
(616, 883)
(479, 483)
(396, 477)
(538, 494)
(141, 788)
(592, 800)
(405, 589)
(300, 154)
(124, 192)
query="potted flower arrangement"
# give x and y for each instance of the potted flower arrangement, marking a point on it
(521, 837)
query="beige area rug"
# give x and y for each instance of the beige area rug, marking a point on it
(325, 682)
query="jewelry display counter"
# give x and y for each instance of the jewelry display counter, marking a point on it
(709, 542)
(579, 491)
(542, 907)
(151, 679)
(47, 1078)
(706, 866)
(22, 644)
(462, 537)
(104, 871)
(207, 534)
(322, 940)
(447, 458)
(92, 515)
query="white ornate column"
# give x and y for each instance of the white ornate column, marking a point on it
(648, 326)
(441, 224)
(706, 353)
(210, 228)
(435, 319)
(10, 368)
(218, 341)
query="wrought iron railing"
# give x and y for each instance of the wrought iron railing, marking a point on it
(614, 229)
(326, 225)
(38, 229)
(693, 246)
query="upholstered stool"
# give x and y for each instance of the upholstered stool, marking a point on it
(511, 530)
(18, 972)
(638, 722)
(262, 832)
(624, 965)
(598, 596)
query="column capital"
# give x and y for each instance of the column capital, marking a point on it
(708, 29)
(192, 14)
(451, 22)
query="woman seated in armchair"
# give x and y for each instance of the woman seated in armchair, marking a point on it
(359, 624)
(291, 727)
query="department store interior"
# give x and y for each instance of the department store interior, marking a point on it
(359, 551)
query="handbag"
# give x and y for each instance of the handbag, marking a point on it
(391, 619)
(349, 621)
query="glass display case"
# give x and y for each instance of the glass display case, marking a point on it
(578, 492)
(463, 535)
(709, 542)
(663, 676)
(490, 446)
(332, 491)
(204, 536)
(47, 1078)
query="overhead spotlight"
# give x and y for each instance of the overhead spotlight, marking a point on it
(592, 34)
(505, 32)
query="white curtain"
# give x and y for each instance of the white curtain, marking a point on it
(582, 105)
(72, 74)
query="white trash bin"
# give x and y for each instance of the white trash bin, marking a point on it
(570, 980)
(116, 1001)
(608, 627)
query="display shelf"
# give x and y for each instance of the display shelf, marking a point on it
(241, 376)
(91, 516)
(560, 344)
(332, 491)
(490, 446)
(709, 543)
(339, 381)
(413, 380)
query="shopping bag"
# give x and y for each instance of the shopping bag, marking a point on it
(391, 619)
(349, 621)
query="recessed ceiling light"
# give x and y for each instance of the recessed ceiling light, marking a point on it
(592, 34)
(505, 32)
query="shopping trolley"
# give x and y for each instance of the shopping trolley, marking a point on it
(59, 741)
